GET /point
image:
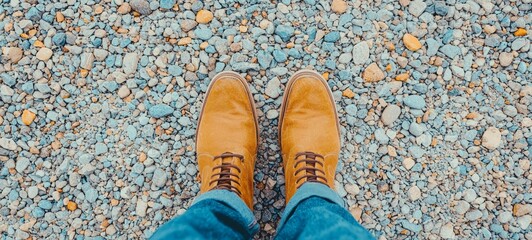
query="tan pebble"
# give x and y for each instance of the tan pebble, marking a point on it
(124, 8)
(71, 206)
(14, 54)
(204, 16)
(373, 73)
(8, 27)
(56, 145)
(356, 212)
(522, 209)
(402, 77)
(339, 6)
(348, 93)
(243, 29)
(204, 45)
(411, 42)
(38, 44)
(44, 54)
(59, 17)
(404, 3)
(142, 157)
(489, 29)
(98, 9)
(184, 41)
(520, 32)
(28, 117)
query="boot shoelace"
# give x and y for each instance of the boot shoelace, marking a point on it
(311, 166)
(223, 179)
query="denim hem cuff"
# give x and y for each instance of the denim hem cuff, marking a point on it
(306, 191)
(235, 202)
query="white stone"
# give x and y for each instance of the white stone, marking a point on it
(524, 221)
(360, 52)
(33, 191)
(446, 231)
(390, 114)
(352, 189)
(123, 91)
(470, 195)
(44, 54)
(87, 59)
(491, 138)
(414, 193)
(8, 144)
(505, 217)
(141, 208)
(462, 207)
(408, 163)
(130, 63)
(417, 7)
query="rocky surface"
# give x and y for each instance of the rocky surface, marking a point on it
(99, 102)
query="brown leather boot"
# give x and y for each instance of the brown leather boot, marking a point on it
(309, 132)
(227, 137)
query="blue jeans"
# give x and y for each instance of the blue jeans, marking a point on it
(315, 211)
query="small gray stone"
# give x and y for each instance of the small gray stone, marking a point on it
(273, 88)
(141, 6)
(390, 114)
(159, 177)
(360, 53)
(417, 7)
(22, 164)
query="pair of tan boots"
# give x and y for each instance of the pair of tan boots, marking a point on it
(227, 134)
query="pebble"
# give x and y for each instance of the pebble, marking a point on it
(130, 62)
(87, 60)
(22, 164)
(273, 88)
(462, 207)
(44, 54)
(204, 16)
(124, 91)
(390, 114)
(417, 7)
(491, 139)
(167, 4)
(160, 110)
(272, 114)
(59, 39)
(339, 6)
(414, 193)
(506, 59)
(8, 144)
(447, 232)
(159, 178)
(411, 42)
(141, 208)
(284, 32)
(33, 191)
(141, 6)
(361, 53)
(414, 101)
(28, 117)
(14, 54)
(373, 73)
(408, 163)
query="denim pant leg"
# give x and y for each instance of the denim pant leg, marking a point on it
(317, 212)
(217, 214)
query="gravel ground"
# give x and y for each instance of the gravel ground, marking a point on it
(99, 102)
